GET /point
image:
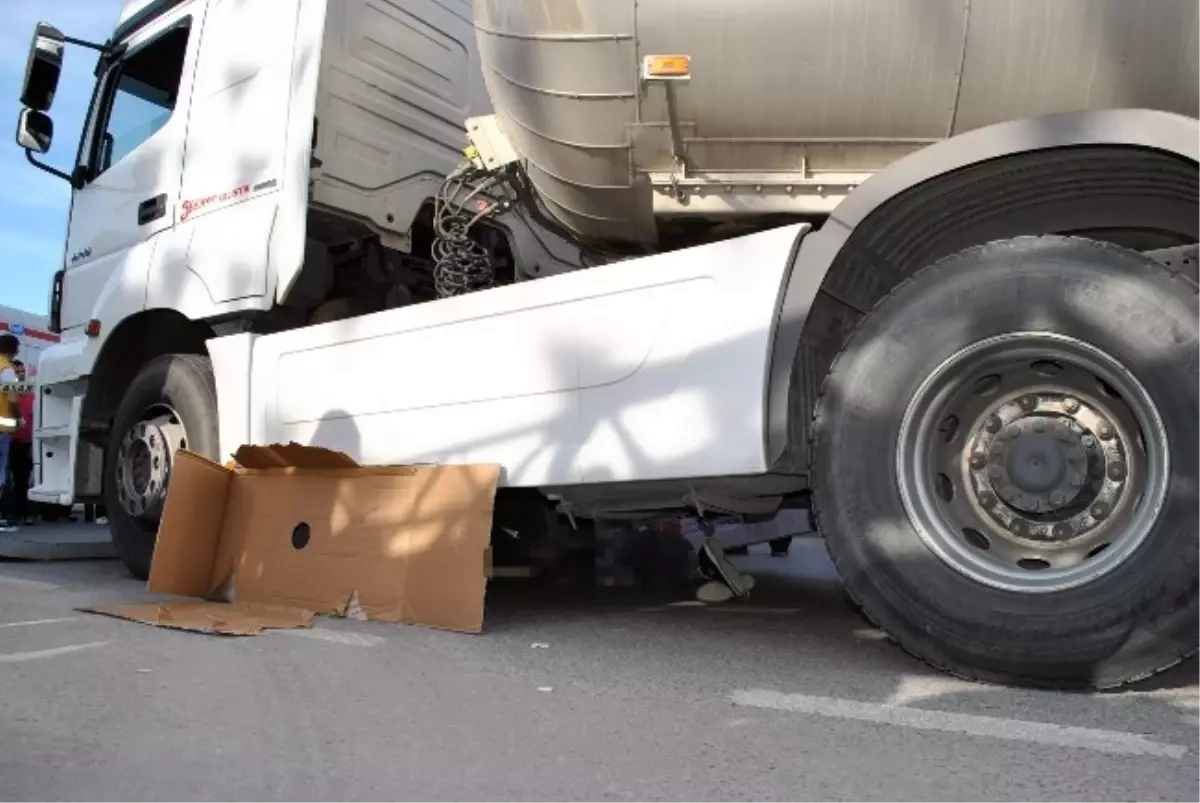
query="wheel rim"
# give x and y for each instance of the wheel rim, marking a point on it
(144, 461)
(1032, 462)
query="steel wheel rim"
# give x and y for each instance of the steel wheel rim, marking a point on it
(954, 484)
(145, 458)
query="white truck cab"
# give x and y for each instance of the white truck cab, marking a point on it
(204, 164)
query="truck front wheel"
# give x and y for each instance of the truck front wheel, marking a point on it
(1005, 464)
(170, 405)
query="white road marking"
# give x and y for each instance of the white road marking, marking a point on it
(1101, 741)
(38, 622)
(334, 636)
(20, 657)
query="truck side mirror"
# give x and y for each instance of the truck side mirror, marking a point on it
(35, 131)
(43, 67)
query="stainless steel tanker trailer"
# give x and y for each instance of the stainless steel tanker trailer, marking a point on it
(965, 348)
(927, 267)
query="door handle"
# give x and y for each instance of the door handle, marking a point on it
(152, 209)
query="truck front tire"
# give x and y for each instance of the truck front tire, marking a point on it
(170, 405)
(1005, 464)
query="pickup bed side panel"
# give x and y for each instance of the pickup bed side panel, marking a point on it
(648, 369)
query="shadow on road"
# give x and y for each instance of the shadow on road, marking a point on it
(797, 612)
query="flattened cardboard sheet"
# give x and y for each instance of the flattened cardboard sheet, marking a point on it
(218, 618)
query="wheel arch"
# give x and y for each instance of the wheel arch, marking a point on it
(1057, 173)
(136, 341)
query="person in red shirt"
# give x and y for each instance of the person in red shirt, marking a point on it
(20, 457)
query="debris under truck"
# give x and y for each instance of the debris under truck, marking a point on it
(928, 267)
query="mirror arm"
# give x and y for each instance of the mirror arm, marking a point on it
(51, 170)
(70, 40)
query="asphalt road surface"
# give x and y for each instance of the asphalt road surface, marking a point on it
(602, 697)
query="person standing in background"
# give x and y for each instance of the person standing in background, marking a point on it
(20, 456)
(9, 412)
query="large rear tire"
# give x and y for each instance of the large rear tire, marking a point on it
(170, 405)
(1005, 465)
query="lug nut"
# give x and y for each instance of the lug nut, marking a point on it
(1116, 472)
(978, 460)
(1104, 430)
(1099, 510)
(1027, 403)
(986, 500)
(1018, 527)
(1071, 405)
(1062, 530)
(994, 424)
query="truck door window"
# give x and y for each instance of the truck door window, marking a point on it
(142, 93)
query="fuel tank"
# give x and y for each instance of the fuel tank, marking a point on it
(789, 104)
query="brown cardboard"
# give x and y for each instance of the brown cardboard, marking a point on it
(309, 528)
(223, 618)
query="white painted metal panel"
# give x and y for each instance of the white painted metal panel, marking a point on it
(234, 159)
(398, 79)
(653, 368)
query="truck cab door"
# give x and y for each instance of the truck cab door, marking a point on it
(131, 156)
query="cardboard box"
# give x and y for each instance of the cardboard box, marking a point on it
(309, 529)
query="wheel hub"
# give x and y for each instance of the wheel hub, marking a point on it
(1032, 462)
(1041, 464)
(1042, 457)
(144, 461)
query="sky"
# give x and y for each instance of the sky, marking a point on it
(33, 204)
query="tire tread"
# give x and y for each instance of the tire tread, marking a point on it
(858, 591)
(200, 368)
